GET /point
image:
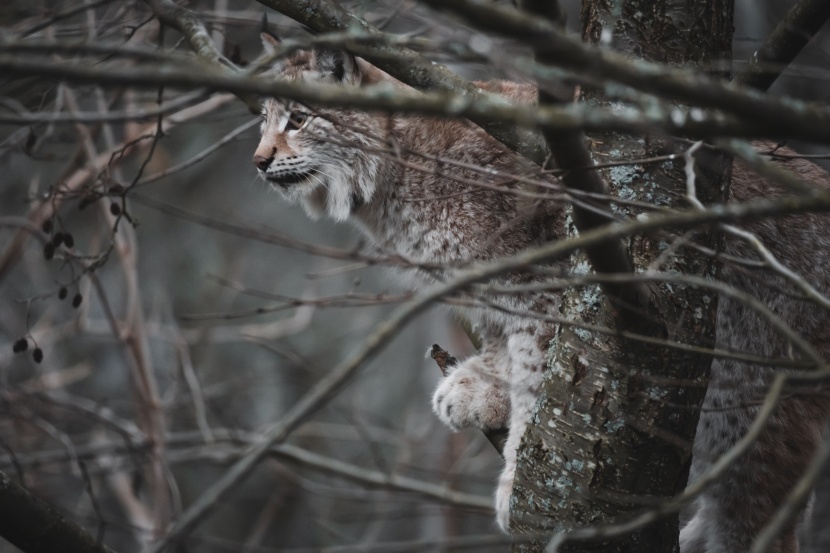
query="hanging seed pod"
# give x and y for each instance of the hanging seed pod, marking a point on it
(37, 355)
(76, 301)
(47, 226)
(57, 239)
(62, 293)
(115, 209)
(48, 251)
(68, 240)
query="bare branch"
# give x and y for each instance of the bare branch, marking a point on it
(605, 65)
(74, 182)
(409, 67)
(65, 15)
(629, 299)
(35, 527)
(784, 43)
(787, 118)
(106, 117)
(186, 22)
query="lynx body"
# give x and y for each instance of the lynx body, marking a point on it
(383, 174)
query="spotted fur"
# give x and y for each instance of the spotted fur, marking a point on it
(359, 167)
(736, 508)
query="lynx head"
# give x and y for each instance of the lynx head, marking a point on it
(313, 156)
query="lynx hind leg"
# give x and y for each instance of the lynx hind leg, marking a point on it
(476, 392)
(740, 504)
(527, 361)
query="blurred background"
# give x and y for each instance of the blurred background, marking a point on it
(213, 309)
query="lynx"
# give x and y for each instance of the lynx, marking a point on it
(436, 210)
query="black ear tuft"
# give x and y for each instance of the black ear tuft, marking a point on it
(339, 69)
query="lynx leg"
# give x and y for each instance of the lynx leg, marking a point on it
(528, 362)
(739, 505)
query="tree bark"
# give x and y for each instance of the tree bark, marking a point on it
(616, 419)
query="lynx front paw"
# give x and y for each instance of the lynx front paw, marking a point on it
(471, 397)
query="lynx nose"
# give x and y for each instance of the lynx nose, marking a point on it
(262, 162)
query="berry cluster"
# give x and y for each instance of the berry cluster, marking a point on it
(23, 344)
(57, 240)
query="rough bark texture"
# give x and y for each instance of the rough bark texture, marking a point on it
(617, 418)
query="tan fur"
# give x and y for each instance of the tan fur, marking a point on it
(440, 215)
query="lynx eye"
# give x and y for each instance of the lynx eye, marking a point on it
(297, 120)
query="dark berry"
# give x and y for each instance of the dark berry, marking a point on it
(57, 239)
(37, 355)
(69, 240)
(76, 301)
(47, 226)
(115, 209)
(20, 345)
(62, 293)
(48, 251)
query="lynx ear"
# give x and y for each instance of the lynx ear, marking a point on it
(337, 65)
(270, 43)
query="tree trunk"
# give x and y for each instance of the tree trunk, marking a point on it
(612, 432)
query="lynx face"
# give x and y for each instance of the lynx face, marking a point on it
(313, 156)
